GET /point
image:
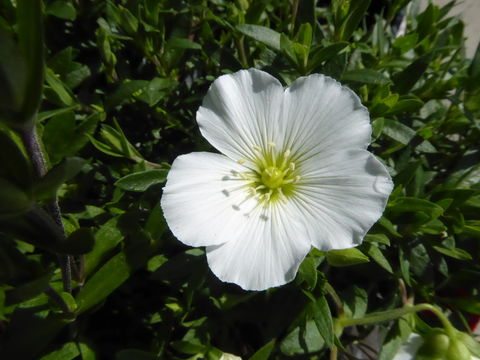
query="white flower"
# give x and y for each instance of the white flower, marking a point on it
(295, 174)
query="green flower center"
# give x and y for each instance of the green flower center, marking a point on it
(272, 177)
(276, 176)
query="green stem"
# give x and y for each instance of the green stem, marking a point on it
(336, 299)
(241, 51)
(396, 313)
(32, 145)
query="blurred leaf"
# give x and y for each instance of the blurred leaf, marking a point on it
(455, 253)
(264, 352)
(15, 166)
(403, 134)
(346, 257)
(13, 200)
(263, 34)
(323, 319)
(57, 86)
(407, 78)
(62, 9)
(356, 12)
(356, 301)
(107, 238)
(376, 254)
(68, 351)
(406, 43)
(142, 180)
(378, 238)
(322, 54)
(48, 185)
(308, 272)
(80, 241)
(110, 276)
(64, 136)
(30, 34)
(365, 76)
(182, 43)
(302, 340)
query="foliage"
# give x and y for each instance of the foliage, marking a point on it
(122, 82)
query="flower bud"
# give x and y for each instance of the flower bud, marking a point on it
(457, 351)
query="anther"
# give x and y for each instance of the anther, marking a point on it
(271, 144)
(241, 161)
(287, 153)
(257, 148)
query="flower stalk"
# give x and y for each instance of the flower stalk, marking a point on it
(397, 313)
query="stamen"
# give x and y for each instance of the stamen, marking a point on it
(241, 161)
(271, 144)
(287, 153)
(257, 148)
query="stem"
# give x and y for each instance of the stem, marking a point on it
(334, 353)
(294, 15)
(241, 51)
(396, 313)
(32, 145)
(336, 299)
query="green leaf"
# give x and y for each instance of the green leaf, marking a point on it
(356, 301)
(68, 351)
(142, 180)
(61, 9)
(264, 352)
(365, 76)
(322, 54)
(48, 185)
(455, 253)
(323, 320)
(376, 254)
(110, 276)
(80, 241)
(346, 257)
(302, 340)
(30, 33)
(13, 200)
(356, 12)
(14, 165)
(406, 42)
(107, 238)
(404, 135)
(124, 92)
(263, 34)
(183, 43)
(407, 78)
(26, 342)
(308, 272)
(378, 238)
(12, 77)
(65, 136)
(61, 91)
(411, 204)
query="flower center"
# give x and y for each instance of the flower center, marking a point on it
(275, 176)
(272, 177)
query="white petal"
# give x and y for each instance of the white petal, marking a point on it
(204, 200)
(319, 114)
(268, 251)
(240, 112)
(409, 349)
(344, 194)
